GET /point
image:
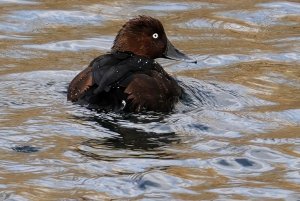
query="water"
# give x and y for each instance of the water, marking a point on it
(234, 136)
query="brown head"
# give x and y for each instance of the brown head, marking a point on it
(145, 36)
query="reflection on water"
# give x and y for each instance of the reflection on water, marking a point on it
(233, 136)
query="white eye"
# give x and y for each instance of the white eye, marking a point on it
(155, 35)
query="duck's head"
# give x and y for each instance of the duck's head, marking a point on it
(145, 36)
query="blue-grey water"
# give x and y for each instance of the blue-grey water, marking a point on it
(234, 136)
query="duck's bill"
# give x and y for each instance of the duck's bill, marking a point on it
(173, 53)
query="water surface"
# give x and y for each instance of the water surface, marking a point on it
(234, 136)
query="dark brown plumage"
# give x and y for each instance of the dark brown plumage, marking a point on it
(128, 78)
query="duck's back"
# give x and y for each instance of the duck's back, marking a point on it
(125, 81)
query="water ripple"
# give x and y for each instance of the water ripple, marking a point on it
(270, 15)
(102, 43)
(34, 20)
(18, 2)
(233, 135)
(274, 193)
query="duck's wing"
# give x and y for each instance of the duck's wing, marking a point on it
(104, 72)
(80, 84)
(92, 77)
(151, 91)
(111, 70)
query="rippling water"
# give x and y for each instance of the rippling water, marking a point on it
(234, 136)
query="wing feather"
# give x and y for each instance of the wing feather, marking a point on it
(80, 84)
(151, 92)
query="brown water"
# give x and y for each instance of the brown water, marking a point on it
(235, 136)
